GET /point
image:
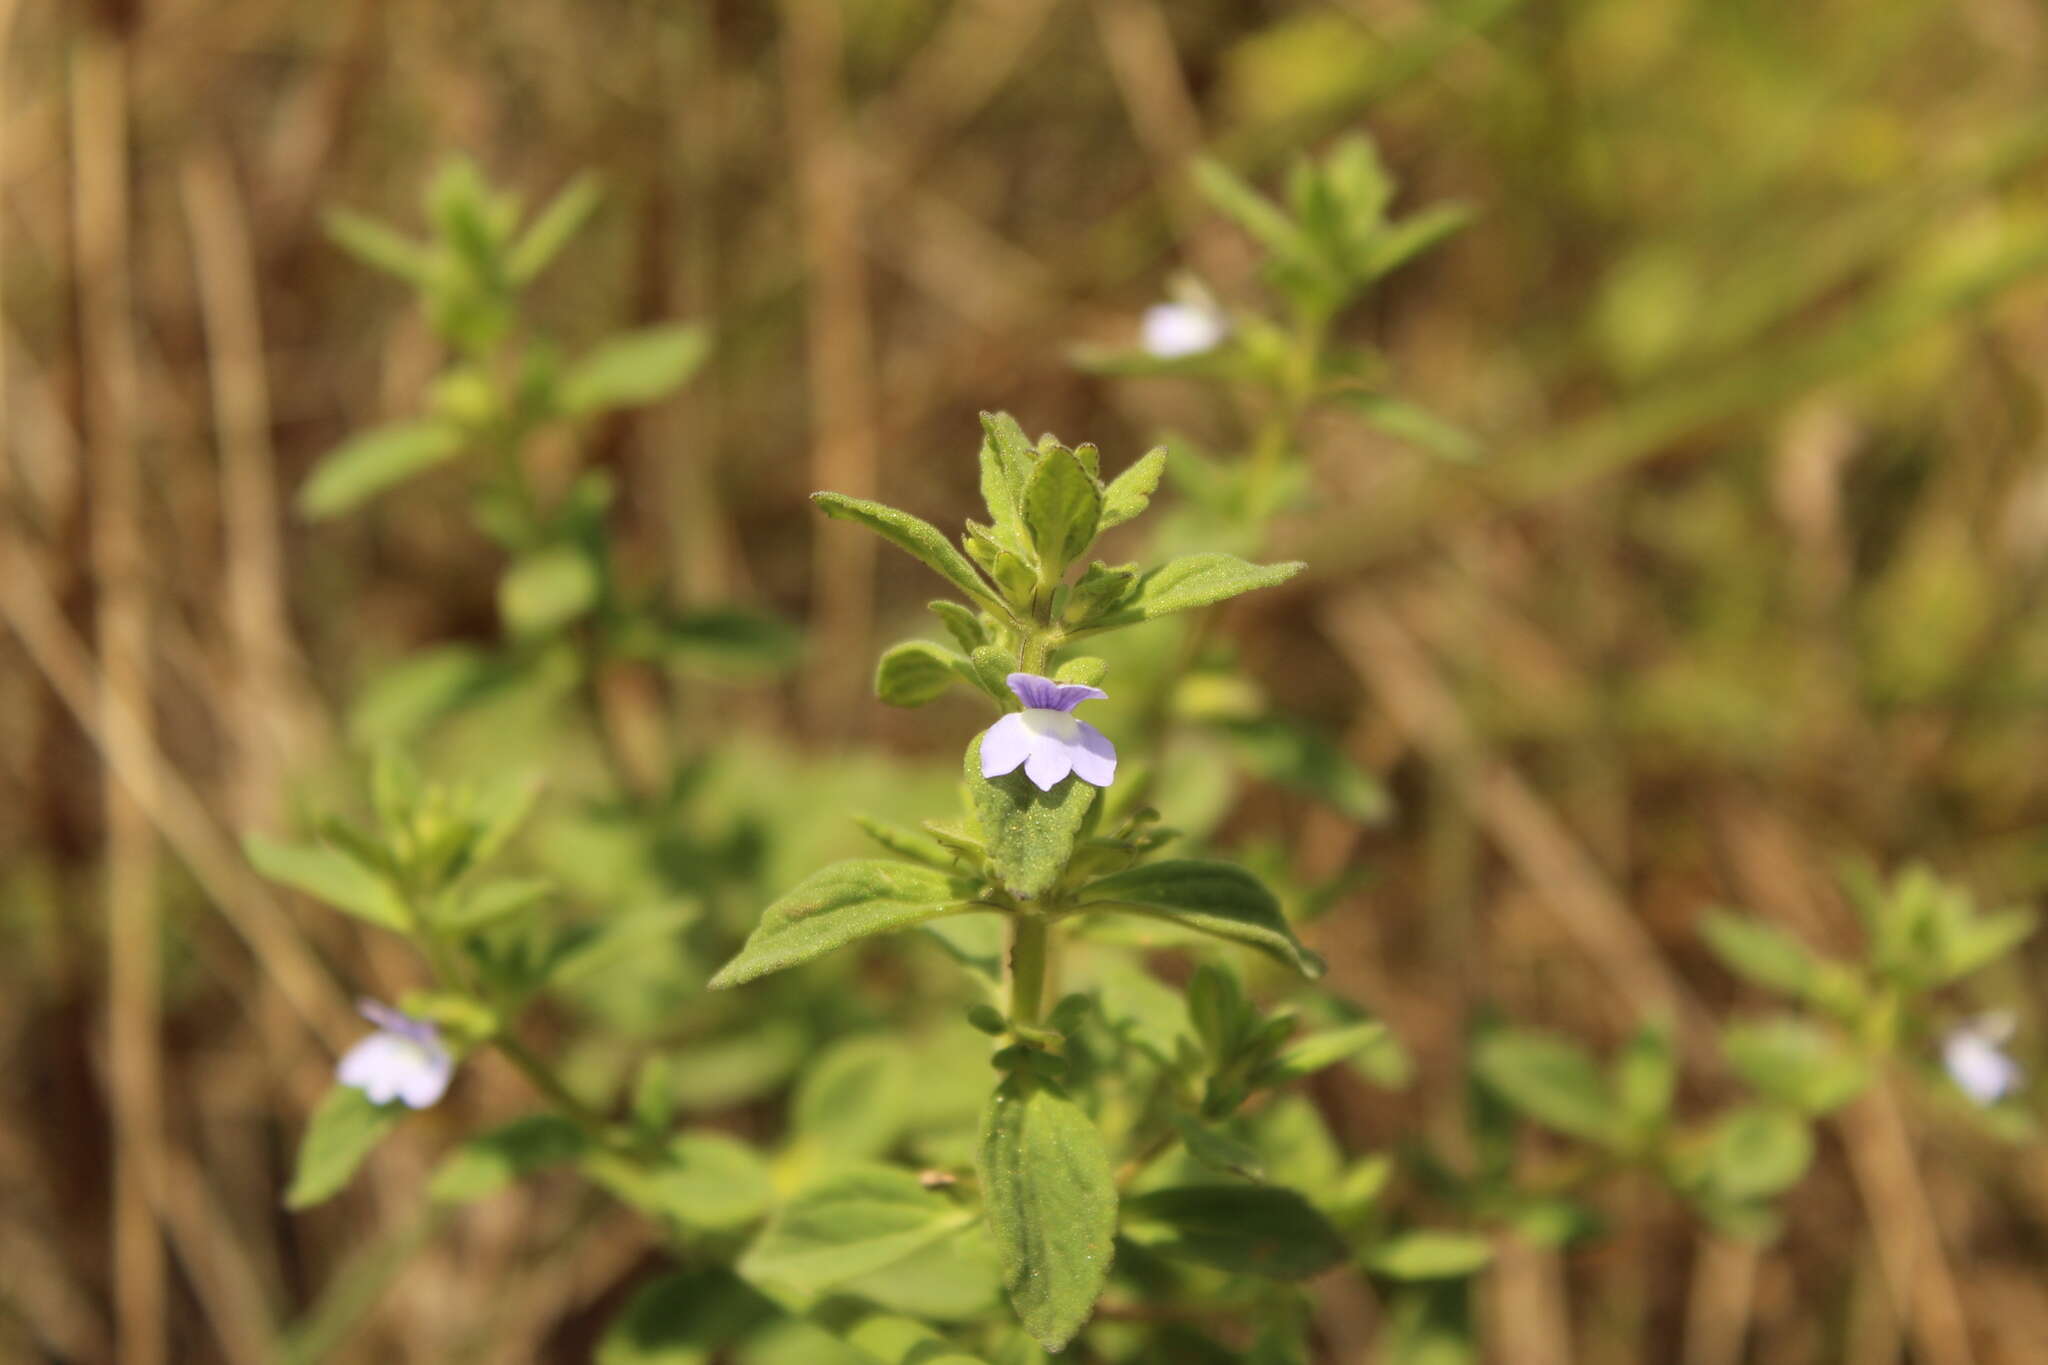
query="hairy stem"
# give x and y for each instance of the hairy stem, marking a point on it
(1030, 947)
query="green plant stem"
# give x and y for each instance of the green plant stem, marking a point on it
(1030, 949)
(550, 1085)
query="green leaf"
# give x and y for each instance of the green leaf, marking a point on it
(1246, 1229)
(1428, 1254)
(552, 228)
(1220, 899)
(1051, 1204)
(1646, 1077)
(1087, 670)
(492, 1161)
(913, 844)
(1007, 456)
(707, 1181)
(635, 368)
(494, 901)
(917, 538)
(1763, 954)
(951, 1280)
(1131, 491)
(915, 673)
(378, 246)
(1759, 1152)
(547, 590)
(1319, 1050)
(853, 1101)
(893, 1340)
(961, 623)
(852, 1223)
(1981, 941)
(838, 904)
(1030, 833)
(1253, 212)
(684, 1318)
(331, 877)
(1551, 1080)
(1412, 236)
(1193, 581)
(1795, 1063)
(1416, 425)
(413, 694)
(1218, 1150)
(344, 1130)
(368, 463)
(1062, 507)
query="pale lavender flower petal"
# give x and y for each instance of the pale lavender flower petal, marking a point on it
(1005, 745)
(403, 1060)
(1978, 1065)
(1045, 738)
(1094, 756)
(1051, 759)
(1044, 694)
(1174, 331)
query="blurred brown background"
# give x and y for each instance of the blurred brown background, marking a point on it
(1751, 323)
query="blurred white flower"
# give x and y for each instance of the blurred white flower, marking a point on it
(1174, 331)
(403, 1060)
(1974, 1054)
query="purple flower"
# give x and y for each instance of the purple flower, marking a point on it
(403, 1060)
(1974, 1054)
(1045, 738)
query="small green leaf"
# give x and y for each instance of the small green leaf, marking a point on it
(492, 1161)
(378, 246)
(913, 844)
(707, 1182)
(1193, 581)
(1549, 1079)
(548, 589)
(634, 369)
(1212, 898)
(494, 901)
(1006, 459)
(1795, 1063)
(1246, 1229)
(1062, 507)
(1427, 1254)
(1646, 1076)
(961, 623)
(1320, 1050)
(344, 1130)
(893, 1340)
(852, 1102)
(1086, 670)
(1218, 1150)
(1255, 213)
(852, 1223)
(1412, 236)
(329, 876)
(838, 904)
(1051, 1204)
(1030, 833)
(915, 673)
(366, 464)
(1979, 942)
(552, 228)
(406, 698)
(684, 1318)
(1765, 955)
(1759, 1152)
(1131, 491)
(917, 538)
